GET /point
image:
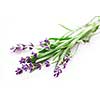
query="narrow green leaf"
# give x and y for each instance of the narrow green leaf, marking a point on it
(65, 27)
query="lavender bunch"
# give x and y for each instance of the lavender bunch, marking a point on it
(59, 50)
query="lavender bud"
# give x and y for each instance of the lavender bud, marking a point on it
(34, 54)
(47, 63)
(46, 41)
(47, 47)
(41, 44)
(30, 48)
(30, 67)
(57, 71)
(39, 66)
(28, 59)
(22, 60)
(25, 67)
(19, 71)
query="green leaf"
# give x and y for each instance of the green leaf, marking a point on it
(65, 27)
(46, 57)
(61, 58)
(66, 38)
(43, 51)
(95, 29)
(43, 59)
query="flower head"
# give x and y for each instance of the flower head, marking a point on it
(25, 67)
(21, 47)
(47, 63)
(19, 71)
(31, 46)
(66, 60)
(38, 66)
(45, 44)
(30, 67)
(57, 71)
(22, 60)
(28, 59)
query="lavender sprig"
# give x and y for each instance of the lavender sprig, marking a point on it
(21, 47)
(58, 50)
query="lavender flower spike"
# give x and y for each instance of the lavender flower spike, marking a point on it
(19, 71)
(47, 63)
(25, 67)
(39, 66)
(66, 60)
(22, 60)
(57, 71)
(30, 67)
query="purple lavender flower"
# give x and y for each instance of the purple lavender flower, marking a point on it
(47, 63)
(34, 54)
(21, 47)
(66, 60)
(45, 44)
(28, 59)
(31, 46)
(64, 65)
(57, 71)
(30, 67)
(17, 49)
(41, 43)
(25, 67)
(19, 71)
(22, 60)
(46, 41)
(38, 66)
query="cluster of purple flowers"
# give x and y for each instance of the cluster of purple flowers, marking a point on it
(21, 47)
(58, 69)
(45, 44)
(27, 64)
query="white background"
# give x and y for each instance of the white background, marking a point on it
(24, 21)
